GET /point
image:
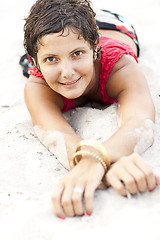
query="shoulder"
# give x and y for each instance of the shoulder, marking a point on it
(126, 75)
(115, 55)
(36, 88)
(113, 49)
(36, 79)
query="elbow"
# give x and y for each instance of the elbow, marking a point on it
(145, 136)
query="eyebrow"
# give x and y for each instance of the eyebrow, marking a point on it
(76, 49)
(48, 55)
(55, 55)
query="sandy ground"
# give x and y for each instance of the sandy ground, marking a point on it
(28, 172)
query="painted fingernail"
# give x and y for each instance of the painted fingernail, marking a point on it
(89, 213)
(61, 217)
(151, 190)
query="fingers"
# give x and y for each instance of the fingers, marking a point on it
(68, 201)
(130, 174)
(56, 199)
(137, 181)
(127, 178)
(135, 174)
(88, 197)
(149, 175)
(77, 200)
(120, 179)
(113, 180)
(81, 182)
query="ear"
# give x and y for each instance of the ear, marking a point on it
(34, 61)
(96, 45)
(97, 53)
(96, 49)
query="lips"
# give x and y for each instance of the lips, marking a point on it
(70, 83)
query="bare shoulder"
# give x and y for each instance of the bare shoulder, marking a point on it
(125, 61)
(128, 84)
(37, 88)
(126, 74)
(34, 79)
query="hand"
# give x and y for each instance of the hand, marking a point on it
(133, 173)
(80, 182)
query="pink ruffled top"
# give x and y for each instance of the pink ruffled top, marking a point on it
(112, 50)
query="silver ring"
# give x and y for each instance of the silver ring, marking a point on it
(78, 190)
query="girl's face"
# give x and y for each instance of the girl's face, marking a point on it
(67, 64)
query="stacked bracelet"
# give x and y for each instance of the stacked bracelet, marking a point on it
(104, 159)
(87, 153)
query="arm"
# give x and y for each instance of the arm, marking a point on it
(50, 126)
(67, 202)
(137, 114)
(136, 108)
(42, 104)
(128, 84)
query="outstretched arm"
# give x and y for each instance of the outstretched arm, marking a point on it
(49, 123)
(45, 108)
(136, 133)
(136, 110)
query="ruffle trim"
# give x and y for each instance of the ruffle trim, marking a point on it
(34, 71)
(112, 51)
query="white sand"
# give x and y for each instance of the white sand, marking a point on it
(28, 172)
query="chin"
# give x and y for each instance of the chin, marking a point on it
(71, 96)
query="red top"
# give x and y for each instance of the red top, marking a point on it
(112, 50)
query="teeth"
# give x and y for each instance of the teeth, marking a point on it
(71, 82)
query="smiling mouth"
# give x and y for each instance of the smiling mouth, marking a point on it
(70, 83)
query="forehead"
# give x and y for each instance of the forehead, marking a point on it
(68, 37)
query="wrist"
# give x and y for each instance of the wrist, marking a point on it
(94, 150)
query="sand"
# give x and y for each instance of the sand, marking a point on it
(29, 173)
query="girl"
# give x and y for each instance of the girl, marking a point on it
(76, 63)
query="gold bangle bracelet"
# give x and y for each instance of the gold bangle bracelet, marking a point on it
(78, 155)
(96, 145)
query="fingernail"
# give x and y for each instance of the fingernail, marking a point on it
(89, 213)
(81, 215)
(151, 190)
(61, 217)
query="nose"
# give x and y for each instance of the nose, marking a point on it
(67, 69)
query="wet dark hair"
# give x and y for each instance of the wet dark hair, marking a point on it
(53, 16)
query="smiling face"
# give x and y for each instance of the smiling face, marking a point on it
(67, 64)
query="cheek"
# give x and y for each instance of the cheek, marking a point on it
(86, 67)
(50, 74)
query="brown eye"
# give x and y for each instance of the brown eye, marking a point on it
(50, 59)
(77, 53)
